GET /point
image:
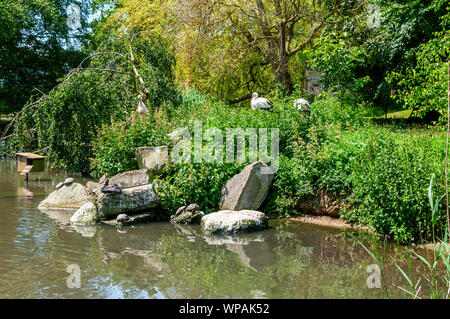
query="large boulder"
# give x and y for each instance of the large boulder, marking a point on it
(86, 215)
(131, 178)
(229, 221)
(71, 196)
(134, 199)
(248, 189)
(154, 159)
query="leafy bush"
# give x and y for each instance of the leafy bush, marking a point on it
(389, 184)
(115, 145)
(199, 183)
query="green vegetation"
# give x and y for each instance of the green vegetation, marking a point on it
(196, 62)
(437, 266)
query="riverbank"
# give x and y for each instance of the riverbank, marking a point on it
(333, 157)
(327, 221)
(162, 260)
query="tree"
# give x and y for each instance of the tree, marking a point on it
(231, 47)
(36, 47)
(101, 90)
(423, 87)
(361, 59)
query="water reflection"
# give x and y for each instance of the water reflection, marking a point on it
(160, 260)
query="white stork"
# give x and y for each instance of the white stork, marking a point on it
(303, 106)
(142, 110)
(260, 103)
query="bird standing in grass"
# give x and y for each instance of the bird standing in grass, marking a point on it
(260, 103)
(303, 106)
(142, 110)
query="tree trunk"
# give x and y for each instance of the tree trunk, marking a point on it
(282, 75)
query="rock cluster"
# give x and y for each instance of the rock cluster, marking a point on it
(241, 197)
(136, 193)
(135, 199)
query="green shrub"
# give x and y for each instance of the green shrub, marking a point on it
(115, 145)
(199, 183)
(389, 184)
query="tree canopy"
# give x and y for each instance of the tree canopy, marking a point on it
(37, 47)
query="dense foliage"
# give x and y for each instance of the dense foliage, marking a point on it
(423, 87)
(381, 174)
(360, 61)
(37, 47)
(103, 89)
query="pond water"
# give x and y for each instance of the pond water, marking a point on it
(160, 260)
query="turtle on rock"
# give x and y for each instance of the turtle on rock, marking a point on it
(68, 181)
(192, 207)
(122, 218)
(59, 185)
(110, 189)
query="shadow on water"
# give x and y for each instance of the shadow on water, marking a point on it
(160, 260)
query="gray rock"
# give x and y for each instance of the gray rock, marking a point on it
(228, 221)
(131, 178)
(71, 196)
(86, 215)
(154, 159)
(246, 190)
(187, 217)
(132, 199)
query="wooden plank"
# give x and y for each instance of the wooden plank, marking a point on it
(27, 169)
(30, 155)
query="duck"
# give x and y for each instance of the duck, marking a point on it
(260, 103)
(110, 189)
(303, 106)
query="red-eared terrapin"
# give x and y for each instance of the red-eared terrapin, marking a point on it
(68, 181)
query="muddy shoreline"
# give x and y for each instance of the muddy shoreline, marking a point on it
(327, 221)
